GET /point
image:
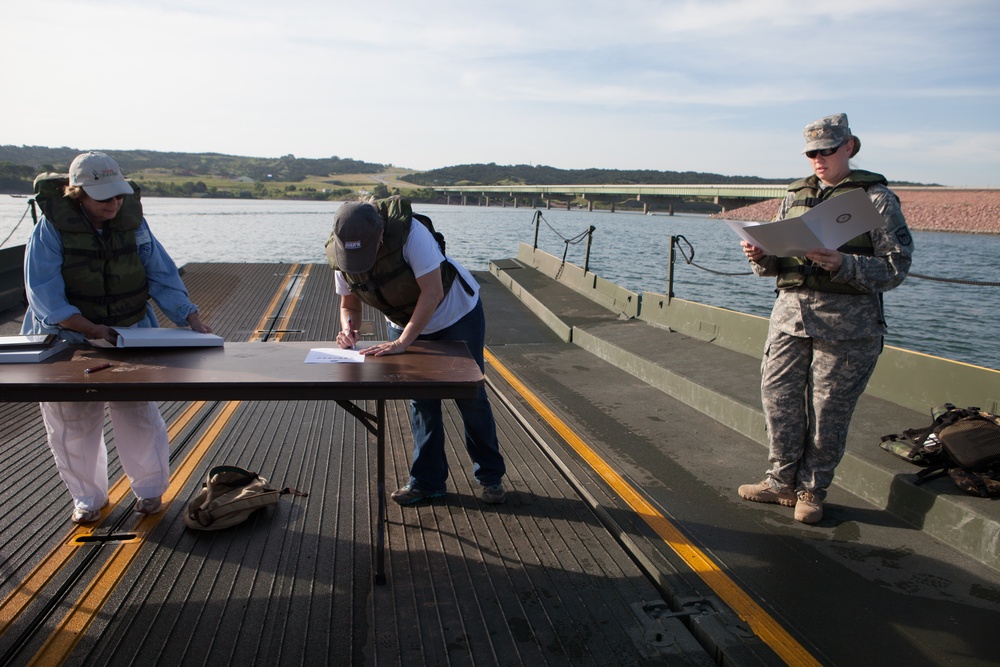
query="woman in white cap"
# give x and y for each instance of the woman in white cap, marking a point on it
(90, 266)
(826, 328)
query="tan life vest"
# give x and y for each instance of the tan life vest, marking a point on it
(798, 271)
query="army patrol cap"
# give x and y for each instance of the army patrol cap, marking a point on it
(828, 132)
(357, 227)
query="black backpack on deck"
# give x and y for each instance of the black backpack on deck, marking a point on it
(963, 443)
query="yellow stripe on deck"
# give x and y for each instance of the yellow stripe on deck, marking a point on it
(762, 624)
(71, 628)
(40, 577)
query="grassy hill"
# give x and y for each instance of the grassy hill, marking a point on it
(203, 174)
(523, 174)
(288, 177)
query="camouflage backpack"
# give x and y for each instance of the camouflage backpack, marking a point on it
(963, 443)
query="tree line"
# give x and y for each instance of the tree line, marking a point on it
(20, 164)
(286, 169)
(524, 174)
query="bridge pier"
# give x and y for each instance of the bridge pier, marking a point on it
(729, 203)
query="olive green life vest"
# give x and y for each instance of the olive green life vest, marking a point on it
(390, 286)
(798, 271)
(103, 274)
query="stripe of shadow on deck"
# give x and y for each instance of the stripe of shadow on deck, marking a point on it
(535, 580)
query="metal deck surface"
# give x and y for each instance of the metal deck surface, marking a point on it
(538, 580)
(620, 542)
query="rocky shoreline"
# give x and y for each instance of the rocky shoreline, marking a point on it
(926, 209)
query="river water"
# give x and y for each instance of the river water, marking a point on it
(630, 249)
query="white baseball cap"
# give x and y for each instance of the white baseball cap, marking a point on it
(99, 176)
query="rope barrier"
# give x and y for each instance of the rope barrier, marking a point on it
(688, 254)
(690, 260)
(567, 242)
(576, 239)
(23, 215)
(959, 281)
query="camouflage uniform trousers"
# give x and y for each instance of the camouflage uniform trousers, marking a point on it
(809, 389)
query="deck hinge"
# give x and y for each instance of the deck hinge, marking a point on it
(103, 538)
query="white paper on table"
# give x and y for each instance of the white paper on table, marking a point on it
(829, 225)
(333, 355)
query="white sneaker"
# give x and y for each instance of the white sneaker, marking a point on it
(81, 515)
(148, 505)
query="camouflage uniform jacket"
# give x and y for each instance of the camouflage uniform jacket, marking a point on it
(805, 312)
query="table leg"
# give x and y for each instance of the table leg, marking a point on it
(380, 531)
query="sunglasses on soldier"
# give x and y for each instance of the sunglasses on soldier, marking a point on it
(825, 152)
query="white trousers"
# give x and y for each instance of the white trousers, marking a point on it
(76, 438)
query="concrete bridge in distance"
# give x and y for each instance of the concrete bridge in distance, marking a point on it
(660, 197)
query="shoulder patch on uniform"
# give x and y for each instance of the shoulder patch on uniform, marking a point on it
(903, 236)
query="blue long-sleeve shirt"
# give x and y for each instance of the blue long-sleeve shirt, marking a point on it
(47, 302)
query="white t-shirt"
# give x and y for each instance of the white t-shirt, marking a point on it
(422, 254)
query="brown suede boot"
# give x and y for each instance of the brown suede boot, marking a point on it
(762, 492)
(808, 508)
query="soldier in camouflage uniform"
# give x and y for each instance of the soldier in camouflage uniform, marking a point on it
(826, 328)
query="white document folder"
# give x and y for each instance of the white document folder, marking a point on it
(160, 337)
(829, 225)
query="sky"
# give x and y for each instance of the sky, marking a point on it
(719, 86)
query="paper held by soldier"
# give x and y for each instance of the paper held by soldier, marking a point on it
(829, 225)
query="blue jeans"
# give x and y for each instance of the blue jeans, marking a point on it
(429, 471)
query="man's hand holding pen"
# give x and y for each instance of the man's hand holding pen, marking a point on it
(349, 337)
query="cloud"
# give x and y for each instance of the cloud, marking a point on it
(708, 85)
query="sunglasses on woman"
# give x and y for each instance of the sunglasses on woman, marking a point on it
(105, 201)
(825, 152)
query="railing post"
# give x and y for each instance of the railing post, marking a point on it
(670, 269)
(538, 220)
(590, 238)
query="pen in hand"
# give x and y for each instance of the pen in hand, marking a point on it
(350, 329)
